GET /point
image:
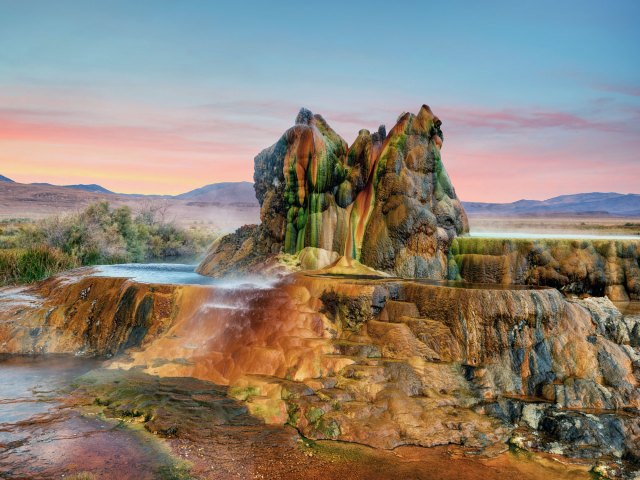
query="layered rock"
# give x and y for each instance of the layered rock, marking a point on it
(593, 267)
(385, 201)
(383, 362)
(79, 314)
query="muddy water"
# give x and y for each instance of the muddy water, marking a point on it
(42, 436)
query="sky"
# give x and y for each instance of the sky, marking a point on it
(537, 99)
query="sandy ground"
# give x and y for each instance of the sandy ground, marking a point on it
(578, 225)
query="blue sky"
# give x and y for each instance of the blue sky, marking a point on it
(164, 96)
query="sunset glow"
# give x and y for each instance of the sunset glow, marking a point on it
(84, 99)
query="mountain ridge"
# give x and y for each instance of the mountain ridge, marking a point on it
(605, 203)
(242, 193)
(87, 187)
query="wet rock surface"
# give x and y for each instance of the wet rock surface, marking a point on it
(387, 363)
(84, 315)
(593, 267)
(131, 425)
(45, 435)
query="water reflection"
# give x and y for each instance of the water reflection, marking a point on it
(42, 436)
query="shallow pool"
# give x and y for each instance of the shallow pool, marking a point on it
(175, 274)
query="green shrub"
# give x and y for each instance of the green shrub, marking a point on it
(32, 264)
(31, 251)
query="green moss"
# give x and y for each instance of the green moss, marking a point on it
(290, 239)
(442, 183)
(243, 393)
(293, 414)
(329, 429)
(314, 414)
(178, 471)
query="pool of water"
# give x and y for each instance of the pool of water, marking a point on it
(43, 437)
(32, 385)
(552, 236)
(175, 274)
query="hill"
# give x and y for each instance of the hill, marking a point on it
(6, 179)
(91, 187)
(224, 193)
(31, 201)
(594, 203)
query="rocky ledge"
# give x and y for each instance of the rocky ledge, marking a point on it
(383, 362)
(592, 267)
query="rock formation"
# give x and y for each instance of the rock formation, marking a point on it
(383, 362)
(593, 267)
(385, 201)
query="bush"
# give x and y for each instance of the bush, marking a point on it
(32, 264)
(31, 251)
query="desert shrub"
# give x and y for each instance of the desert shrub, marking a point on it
(99, 234)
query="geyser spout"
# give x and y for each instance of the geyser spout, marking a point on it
(386, 201)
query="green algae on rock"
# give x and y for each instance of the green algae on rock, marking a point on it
(593, 267)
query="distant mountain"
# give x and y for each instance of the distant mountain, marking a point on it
(242, 194)
(225, 193)
(92, 187)
(595, 203)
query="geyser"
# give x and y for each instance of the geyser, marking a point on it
(385, 201)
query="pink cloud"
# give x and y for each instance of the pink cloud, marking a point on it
(507, 121)
(491, 154)
(632, 90)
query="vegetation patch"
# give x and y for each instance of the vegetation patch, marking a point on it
(34, 250)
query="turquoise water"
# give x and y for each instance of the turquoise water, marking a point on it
(175, 274)
(165, 273)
